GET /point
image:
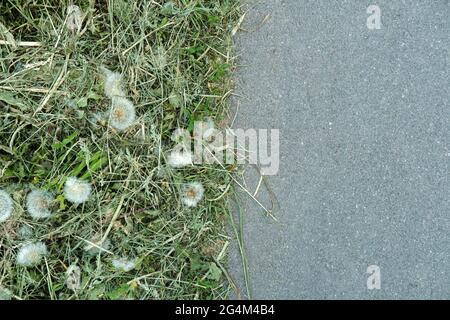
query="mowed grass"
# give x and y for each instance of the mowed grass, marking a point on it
(175, 58)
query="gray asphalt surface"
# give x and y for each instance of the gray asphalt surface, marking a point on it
(365, 148)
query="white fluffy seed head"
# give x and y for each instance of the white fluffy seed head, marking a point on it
(77, 191)
(123, 264)
(179, 159)
(39, 204)
(113, 84)
(74, 18)
(73, 277)
(31, 254)
(122, 113)
(192, 193)
(6, 206)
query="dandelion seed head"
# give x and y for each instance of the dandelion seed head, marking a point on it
(73, 277)
(6, 206)
(179, 159)
(39, 204)
(31, 254)
(192, 193)
(123, 264)
(122, 113)
(113, 84)
(76, 190)
(74, 18)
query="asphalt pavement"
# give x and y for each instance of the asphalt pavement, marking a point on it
(364, 119)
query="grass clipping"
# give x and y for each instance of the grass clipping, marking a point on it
(109, 219)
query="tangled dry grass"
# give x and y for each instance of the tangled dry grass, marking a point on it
(133, 238)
